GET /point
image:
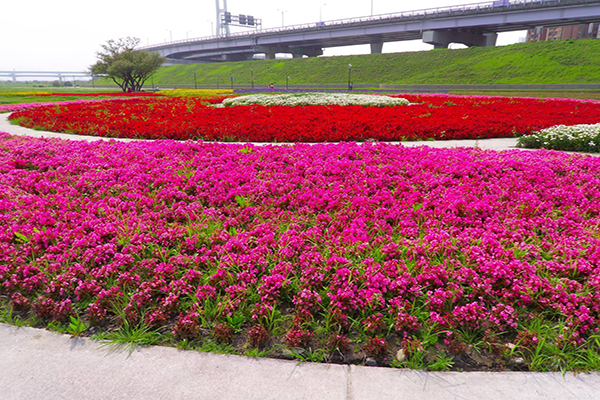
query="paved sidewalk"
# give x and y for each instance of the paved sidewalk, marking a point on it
(6, 126)
(488, 144)
(37, 364)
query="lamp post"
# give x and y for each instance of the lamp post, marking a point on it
(282, 21)
(231, 78)
(321, 12)
(170, 34)
(371, 7)
(195, 82)
(217, 83)
(287, 81)
(349, 77)
(252, 76)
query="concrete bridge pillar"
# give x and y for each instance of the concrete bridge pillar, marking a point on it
(270, 51)
(442, 38)
(237, 57)
(299, 52)
(313, 51)
(377, 48)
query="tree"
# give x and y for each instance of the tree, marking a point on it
(127, 67)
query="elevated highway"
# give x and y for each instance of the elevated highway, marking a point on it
(475, 24)
(60, 75)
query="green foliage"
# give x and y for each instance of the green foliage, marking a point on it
(9, 316)
(130, 336)
(209, 346)
(76, 326)
(127, 67)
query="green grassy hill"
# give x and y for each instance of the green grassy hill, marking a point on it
(555, 62)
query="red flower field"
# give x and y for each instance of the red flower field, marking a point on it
(437, 117)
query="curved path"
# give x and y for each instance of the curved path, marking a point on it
(37, 364)
(491, 144)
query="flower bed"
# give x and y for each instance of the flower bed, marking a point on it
(316, 99)
(100, 94)
(436, 117)
(26, 106)
(585, 138)
(346, 251)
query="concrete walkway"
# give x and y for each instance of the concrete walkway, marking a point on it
(488, 144)
(37, 364)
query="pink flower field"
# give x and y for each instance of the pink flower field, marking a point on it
(326, 252)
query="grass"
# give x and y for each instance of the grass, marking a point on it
(553, 62)
(129, 336)
(9, 316)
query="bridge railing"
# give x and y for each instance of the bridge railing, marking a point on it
(427, 12)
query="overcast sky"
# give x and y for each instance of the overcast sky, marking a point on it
(64, 35)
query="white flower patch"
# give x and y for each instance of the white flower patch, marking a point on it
(582, 137)
(316, 99)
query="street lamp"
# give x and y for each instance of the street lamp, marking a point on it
(170, 34)
(282, 12)
(371, 7)
(287, 81)
(231, 78)
(349, 77)
(195, 82)
(217, 83)
(252, 76)
(212, 27)
(321, 12)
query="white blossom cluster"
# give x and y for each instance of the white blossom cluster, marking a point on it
(582, 137)
(316, 99)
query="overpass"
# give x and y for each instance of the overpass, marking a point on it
(475, 24)
(60, 75)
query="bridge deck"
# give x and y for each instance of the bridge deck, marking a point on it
(309, 39)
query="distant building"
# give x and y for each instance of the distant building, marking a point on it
(583, 31)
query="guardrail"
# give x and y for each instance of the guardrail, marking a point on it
(471, 7)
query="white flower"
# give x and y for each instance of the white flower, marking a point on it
(304, 99)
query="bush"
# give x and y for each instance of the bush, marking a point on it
(582, 137)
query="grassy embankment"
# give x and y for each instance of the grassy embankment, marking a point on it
(555, 62)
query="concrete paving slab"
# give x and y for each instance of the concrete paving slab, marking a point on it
(37, 364)
(396, 384)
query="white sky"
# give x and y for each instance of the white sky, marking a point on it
(64, 35)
